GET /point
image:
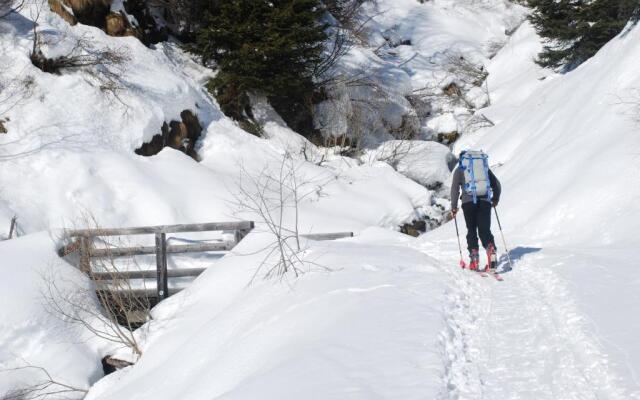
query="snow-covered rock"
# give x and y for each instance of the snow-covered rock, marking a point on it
(428, 163)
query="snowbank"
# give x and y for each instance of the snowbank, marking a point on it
(428, 163)
(347, 334)
(30, 336)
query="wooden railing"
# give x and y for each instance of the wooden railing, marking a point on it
(113, 286)
(83, 243)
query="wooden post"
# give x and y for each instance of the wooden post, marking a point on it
(13, 226)
(85, 255)
(241, 233)
(161, 264)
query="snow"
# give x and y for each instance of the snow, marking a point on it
(445, 123)
(569, 208)
(378, 316)
(409, 47)
(30, 336)
(328, 335)
(68, 159)
(428, 163)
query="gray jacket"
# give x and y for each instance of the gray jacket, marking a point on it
(458, 183)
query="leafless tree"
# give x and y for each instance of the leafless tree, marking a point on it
(46, 387)
(271, 196)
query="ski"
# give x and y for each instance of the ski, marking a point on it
(496, 275)
(481, 273)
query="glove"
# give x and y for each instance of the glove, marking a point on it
(454, 211)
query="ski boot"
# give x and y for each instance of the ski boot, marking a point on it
(492, 259)
(474, 260)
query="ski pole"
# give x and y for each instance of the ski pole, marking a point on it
(462, 263)
(495, 209)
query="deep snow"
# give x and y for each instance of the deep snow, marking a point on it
(380, 315)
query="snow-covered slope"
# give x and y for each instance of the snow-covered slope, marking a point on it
(378, 316)
(352, 333)
(547, 331)
(32, 338)
(565, 322)
(68, 158)
(395, 79)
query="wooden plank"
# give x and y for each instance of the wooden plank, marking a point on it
(142, 230)
(137, 316)
(172, 249)
(161, 265)
(145, 293)
(146, 274)
(327, 236)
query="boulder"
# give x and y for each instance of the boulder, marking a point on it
(57, 7)
(180, 135)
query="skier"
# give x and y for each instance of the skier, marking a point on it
(480, 191)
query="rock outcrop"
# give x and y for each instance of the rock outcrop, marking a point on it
(180, 135)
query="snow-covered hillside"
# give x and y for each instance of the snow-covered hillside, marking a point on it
(570, 211)
(378, 316)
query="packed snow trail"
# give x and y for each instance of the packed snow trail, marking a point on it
(520, 339)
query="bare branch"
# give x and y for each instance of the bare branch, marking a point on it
(44, 388)
(271, 196)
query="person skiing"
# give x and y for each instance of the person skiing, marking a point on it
(480, 191)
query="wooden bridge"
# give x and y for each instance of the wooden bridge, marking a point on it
(114, 288)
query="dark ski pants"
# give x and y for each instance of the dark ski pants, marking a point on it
(478, 219)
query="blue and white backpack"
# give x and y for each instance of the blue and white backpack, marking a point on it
(475, 165)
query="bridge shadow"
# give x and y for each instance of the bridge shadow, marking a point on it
(516, 255)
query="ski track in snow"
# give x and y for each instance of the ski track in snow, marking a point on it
(521, 339)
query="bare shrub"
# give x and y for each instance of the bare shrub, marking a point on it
(103, 67)
(356, 110)
(110, 307)
(269, 196)
(465, 70)
(13, 92)
(345, 11)
(46, 387)
(451, 83)
(476, 122)
(393, 152)
(76, 304)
